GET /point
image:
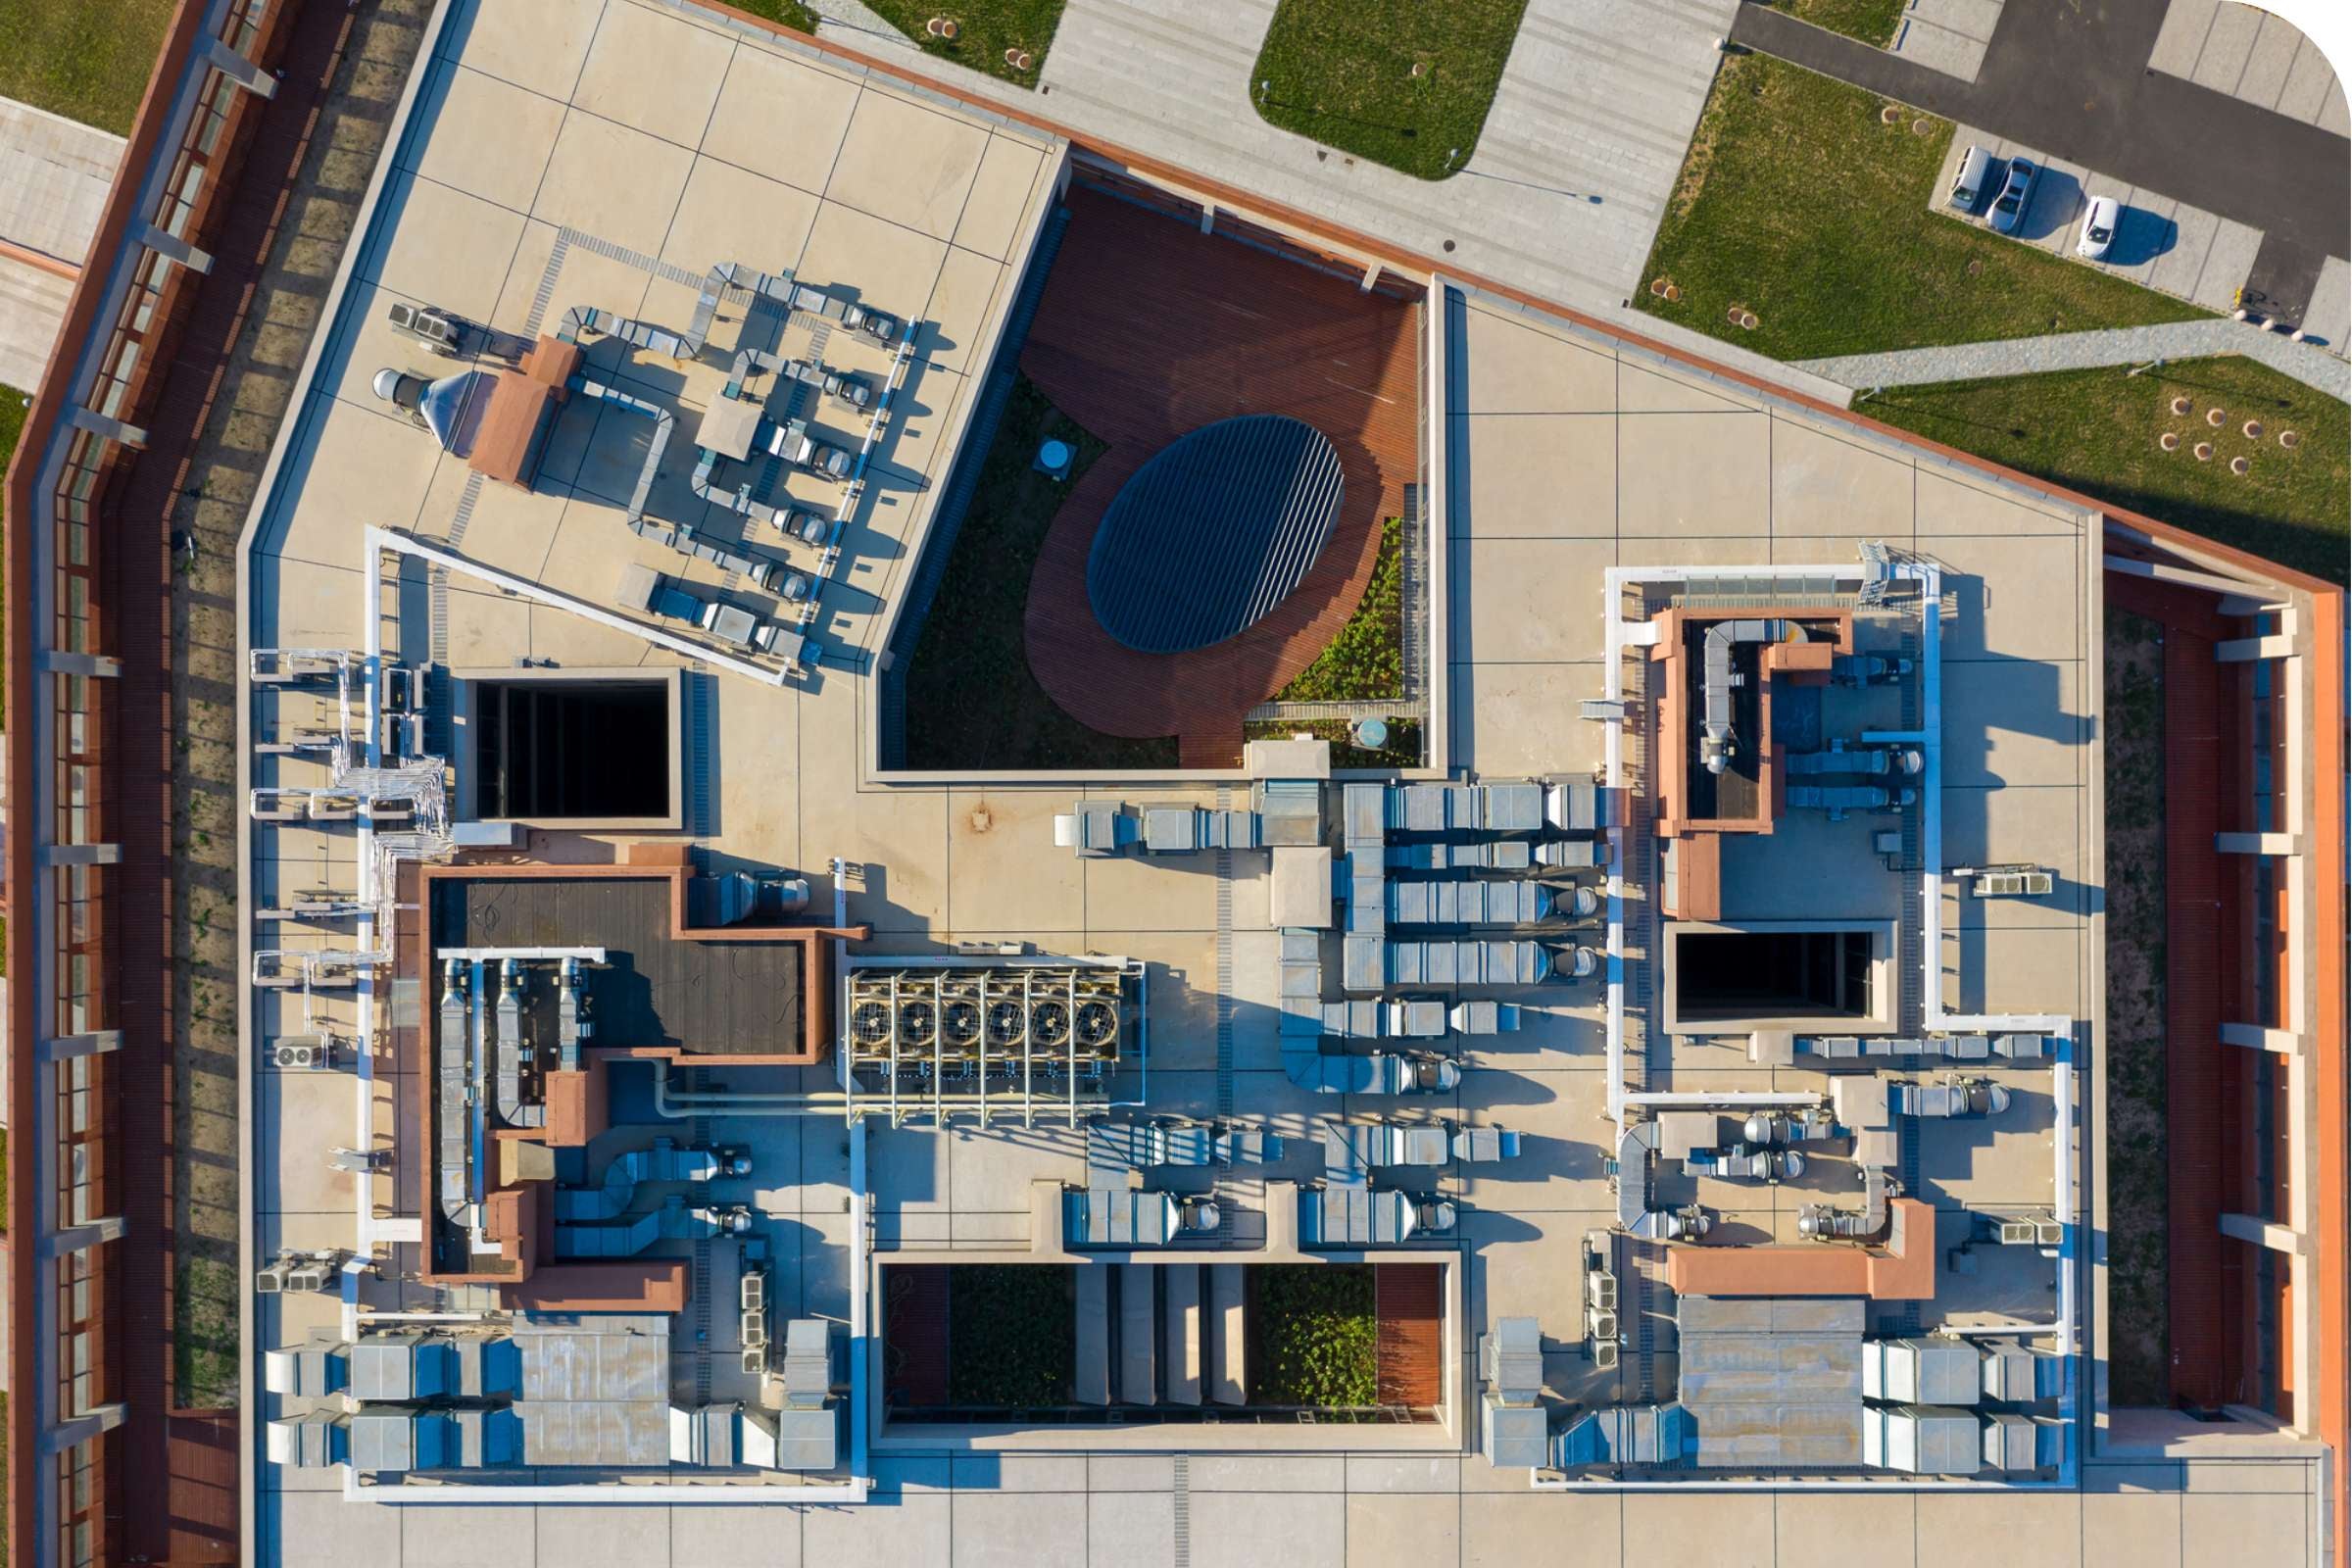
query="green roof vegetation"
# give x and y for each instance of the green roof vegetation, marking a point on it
(1402, 83)
(2098, 431)
(1316, 1334)
(1799, 206)
(971, 701)
(2138, 1165)
(1366, 660)
(1013, 1335)
(85, 62)
(1364, 663)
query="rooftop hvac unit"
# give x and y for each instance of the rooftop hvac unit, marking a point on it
(1601, 1290)
(2048, 1233)
(300, 1052)
(309, 1277)
(1604, 1355)
(2019, 1233)
(753, 1289)
(755, 1360)
(2011, 882)
(271, 1281)
(1600, 1325)
(755, 1330)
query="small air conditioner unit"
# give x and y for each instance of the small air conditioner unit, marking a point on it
(1600, 1325)
(308, 1277)
(1601, 1289)
(1604, 1354)
(299, 1055)
(2019, 1233)
(2049, 1232)
(755, 1290)
(754, 1329)
(270, 1281)
(755, 1359)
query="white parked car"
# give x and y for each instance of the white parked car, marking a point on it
(1967, 181)
(2009, 207)
(2098, 228)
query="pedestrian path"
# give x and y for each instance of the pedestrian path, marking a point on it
(1560, 197)
(2082, 351)
(53, 176)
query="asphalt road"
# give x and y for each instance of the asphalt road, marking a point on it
(2074, 81)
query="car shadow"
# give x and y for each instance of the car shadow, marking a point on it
(2057, 203)
(2141, 236)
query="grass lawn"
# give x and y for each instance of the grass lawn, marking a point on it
(82, 59)
(1342, 73)
(971, 702)
(791, 12)
(2095, 432)
(1871, 20)
(986, 30)
(1797, 203)
(1317, 1341)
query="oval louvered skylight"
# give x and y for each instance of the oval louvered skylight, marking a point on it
(1213, 532)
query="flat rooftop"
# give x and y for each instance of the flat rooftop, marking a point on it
(561, 157)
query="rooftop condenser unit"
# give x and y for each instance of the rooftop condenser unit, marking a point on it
(299, 1051)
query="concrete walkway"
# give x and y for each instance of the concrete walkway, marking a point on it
(2082, 351)
(1560, 197)
(2074, 80)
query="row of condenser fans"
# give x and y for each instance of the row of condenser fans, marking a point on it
(964, 1020)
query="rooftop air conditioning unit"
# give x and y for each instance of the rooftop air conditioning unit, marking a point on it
(1604, 1355)
(2048, 1233)
(1600, 1326)
(755, 1360)
(308, 1053)
(754, 1290)
(270, 1281)
(2019, 1233)
(1601, 1289)
(308, 1277)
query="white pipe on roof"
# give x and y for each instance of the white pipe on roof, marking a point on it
(404, 544)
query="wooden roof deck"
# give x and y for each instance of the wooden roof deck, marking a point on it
(1149, 329)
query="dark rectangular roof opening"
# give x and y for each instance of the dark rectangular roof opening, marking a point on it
(1779, 974)
(572, 750)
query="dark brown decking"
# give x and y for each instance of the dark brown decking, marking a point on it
(177, 1500)
(1147, 329)
(1411, 1341)
(914, 1330)
(2208, 1292)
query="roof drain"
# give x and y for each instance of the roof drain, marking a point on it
(1715, 743)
